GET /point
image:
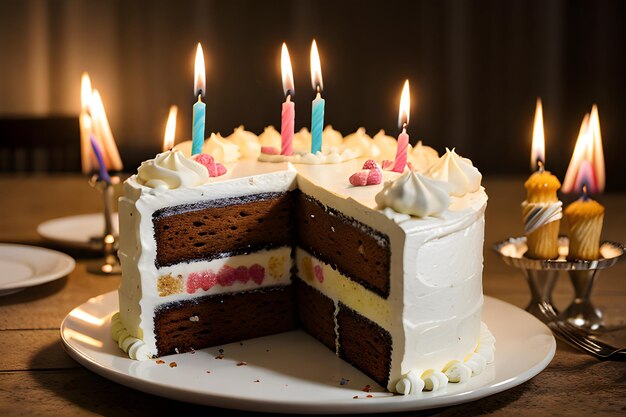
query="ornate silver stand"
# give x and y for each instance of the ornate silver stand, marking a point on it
(542, 276)
(109, 264)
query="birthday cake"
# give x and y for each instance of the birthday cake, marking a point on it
(382, 267)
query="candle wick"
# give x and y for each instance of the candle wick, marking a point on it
(288, 95)
(199, 95)
(318, 89)
(540, 165)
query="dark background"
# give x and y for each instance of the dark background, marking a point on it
(475, 67)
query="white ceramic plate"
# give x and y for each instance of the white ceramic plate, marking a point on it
(76, 230)
(292, 372)
(23, 266)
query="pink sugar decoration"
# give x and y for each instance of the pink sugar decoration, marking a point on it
(370, 164)
(270, 150)
(359, 178)
(319, 274)
(204, 159)
(257, 273)
(374, 177)
(226, 276)
(214, 169)
(242, 274)
(221, 169)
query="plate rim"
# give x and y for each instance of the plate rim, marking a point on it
(70, 242)
(64, 269)
(381, 404)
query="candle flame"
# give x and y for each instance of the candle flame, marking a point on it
(287, 72)
(199, 84)
(85, 92)
(405, 106)
(586, 166)
(170, 129)
(538, 153)
(316, 69)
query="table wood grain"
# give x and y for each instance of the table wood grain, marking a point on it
(37, 377)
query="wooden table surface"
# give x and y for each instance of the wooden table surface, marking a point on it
(37, 377)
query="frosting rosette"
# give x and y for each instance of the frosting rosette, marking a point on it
(414, 194)
(302, 140)
(388, 145)
(360, 142)
(221, 149)
(270, 138)
(457, 171)
(422, 157)
(248, 142)
(172, 169)
(331, 138)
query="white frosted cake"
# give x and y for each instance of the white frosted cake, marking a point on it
(384, 268)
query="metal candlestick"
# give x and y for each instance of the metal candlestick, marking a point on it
(543, 273)
(110, 264)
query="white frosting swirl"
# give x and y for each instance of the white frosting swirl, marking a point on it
(331, 139)
(410, 384)
(135, 348)
(457, 372)
(422, 157)
(221, 149)
(434, 380)
(537, 215)
(270, 138)
(172, 169)
(360, 142)
(388, 145)
(414, 194)
(248, 142)
(458, 172)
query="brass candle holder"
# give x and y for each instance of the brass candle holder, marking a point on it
(542, 274)
(109, 264)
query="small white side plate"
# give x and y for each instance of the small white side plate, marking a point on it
(76, 230)
(23, 266)
(292, 372)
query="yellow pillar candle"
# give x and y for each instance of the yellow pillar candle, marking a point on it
(585, 217)
(542, 212)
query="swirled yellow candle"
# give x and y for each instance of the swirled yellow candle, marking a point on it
(585, 217)
(542, 210)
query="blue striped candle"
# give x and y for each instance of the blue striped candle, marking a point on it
(317, 123)
(197, 136)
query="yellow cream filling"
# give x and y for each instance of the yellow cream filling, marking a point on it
(338, 287)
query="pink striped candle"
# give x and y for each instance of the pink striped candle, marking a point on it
(403, 120)
(287, 126)
(289, 107)
(401, 152)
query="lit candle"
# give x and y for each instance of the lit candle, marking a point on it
(104, 175)
(586, 173)
(199, 109)
(103, 134)
(289, 107)
(317, 114)
(403, 121)
(85, 124)
(170, 129)
(542, 210)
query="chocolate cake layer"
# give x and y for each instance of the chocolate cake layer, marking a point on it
(225, 227)
(364, 344)
(355, 249)
(225, 318)
(316, 313)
